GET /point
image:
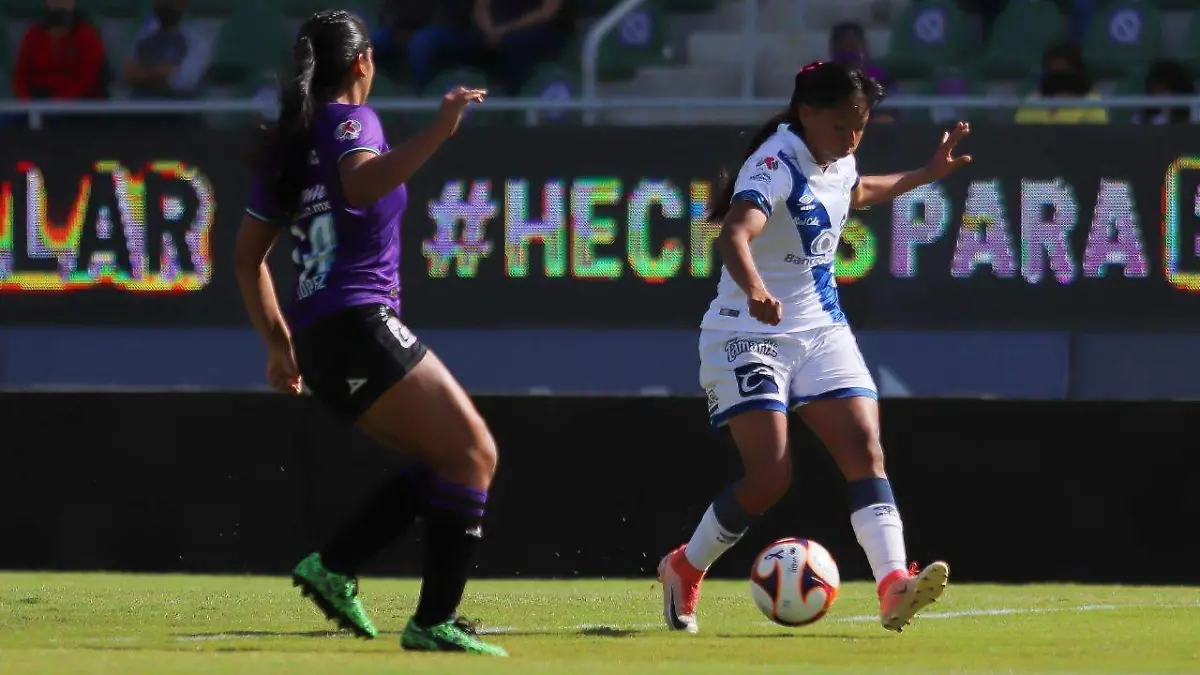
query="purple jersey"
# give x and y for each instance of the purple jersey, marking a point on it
(344, 256)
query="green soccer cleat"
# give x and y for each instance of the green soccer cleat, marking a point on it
(335, 594)
(455, 635)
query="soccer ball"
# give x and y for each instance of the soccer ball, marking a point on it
(794, 582)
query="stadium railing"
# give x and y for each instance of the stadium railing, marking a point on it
(590, 103)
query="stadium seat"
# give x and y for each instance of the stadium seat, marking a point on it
(690, 6)
(121, 9)
(211, 8)
(595, 7)
(22, 9)
(927, 34)
(1021, 33)
(1189, 52)
(639, 40)
(553, 82)
(384, 86)
(302, 9)
(1123, 37)
(467, 77)
(947, 81)
(252, 41)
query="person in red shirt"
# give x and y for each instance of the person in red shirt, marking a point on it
(61, 57)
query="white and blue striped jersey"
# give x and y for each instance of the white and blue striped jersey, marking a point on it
(806, 208)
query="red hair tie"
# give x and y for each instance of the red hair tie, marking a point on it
(812, 66)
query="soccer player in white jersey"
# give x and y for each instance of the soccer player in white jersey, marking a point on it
(775, 338)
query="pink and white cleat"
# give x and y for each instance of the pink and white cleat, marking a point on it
(681, 590)
(903, 593)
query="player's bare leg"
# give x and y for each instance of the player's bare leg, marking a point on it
(849, 428)
(761, 438)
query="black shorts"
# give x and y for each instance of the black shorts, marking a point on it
(349, 359)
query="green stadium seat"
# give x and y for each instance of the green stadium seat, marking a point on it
(467, 77)
(595, 7)
(253, 40)
(1021, 32)
(639, 40)
(555, 82)
(302, 9)
(212, 8)
(690, 6)
(1189, 53)
(121, 9)
(1124, 36)
(22, 9)
(927, 34)
(947, 81)
(384, 86)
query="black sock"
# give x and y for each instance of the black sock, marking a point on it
(453, 528)
(382, 519)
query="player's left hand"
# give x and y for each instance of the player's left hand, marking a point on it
(944, 162)
(282, 370)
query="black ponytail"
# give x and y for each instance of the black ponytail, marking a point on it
(325, 50)
(820, 85)
(723, 195)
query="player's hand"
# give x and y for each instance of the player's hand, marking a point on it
(453, 104)
(944, 162)
(764, 307)
(282, 372)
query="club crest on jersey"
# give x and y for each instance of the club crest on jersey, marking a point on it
(349, 130)
(770, 162)
(738, 346)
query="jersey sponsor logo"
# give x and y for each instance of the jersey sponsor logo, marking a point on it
(807, 261)
(770, 162)
(761, 177)
(755, 379)
(731, 313)
(401, 332)
(355, 384)
(806, 202)
(713, 401)
(741, 345)
(349, 130)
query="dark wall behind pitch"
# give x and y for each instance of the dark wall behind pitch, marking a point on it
(593, 486)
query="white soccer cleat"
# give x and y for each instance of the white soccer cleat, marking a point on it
(908, 592)
(681, 591)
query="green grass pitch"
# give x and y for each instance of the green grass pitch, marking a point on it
(133, 624)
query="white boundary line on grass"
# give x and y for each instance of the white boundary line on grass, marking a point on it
(864, 618)
(867, 618)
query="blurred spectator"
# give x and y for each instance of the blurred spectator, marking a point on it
(399, 20)
(507, 37)
(1064, 75)
(848, 44)
(1167, 78)
(61, 56)
(166, 62)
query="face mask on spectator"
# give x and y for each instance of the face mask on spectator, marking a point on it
(59, 18)
(168, 17)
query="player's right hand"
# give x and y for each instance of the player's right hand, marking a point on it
(453, 104)
(282, 371)
(764, 307)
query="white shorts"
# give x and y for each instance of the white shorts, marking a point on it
(764, 371)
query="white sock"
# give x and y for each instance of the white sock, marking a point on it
(881, 535)
(709, 541)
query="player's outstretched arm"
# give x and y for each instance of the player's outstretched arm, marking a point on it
(873, 190)
(367, 177)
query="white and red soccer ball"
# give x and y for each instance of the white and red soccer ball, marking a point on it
(794, 581)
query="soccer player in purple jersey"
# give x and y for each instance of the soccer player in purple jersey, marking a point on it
(328, 179)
